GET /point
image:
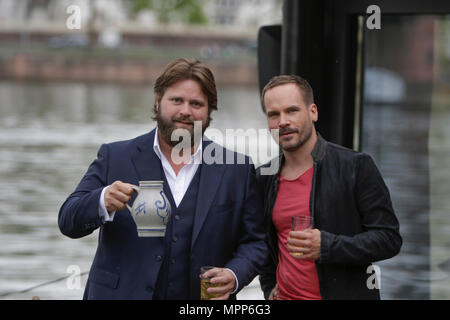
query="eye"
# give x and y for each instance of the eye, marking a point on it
(177, 100)
(197, 104)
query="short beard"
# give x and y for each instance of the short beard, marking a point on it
(166, 128)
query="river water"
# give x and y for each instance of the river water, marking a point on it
(50, 133)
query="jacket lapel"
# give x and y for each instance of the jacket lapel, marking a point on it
(210, 180)
(145, 160)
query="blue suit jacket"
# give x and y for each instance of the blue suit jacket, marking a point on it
(227, 232)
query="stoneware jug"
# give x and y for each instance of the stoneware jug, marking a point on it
(151, 209)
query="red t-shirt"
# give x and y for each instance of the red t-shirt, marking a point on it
(297, 279)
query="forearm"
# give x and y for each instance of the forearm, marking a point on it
(246, 262)
(79, 215)
(363, 248)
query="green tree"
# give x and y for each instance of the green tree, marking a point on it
(188, 11)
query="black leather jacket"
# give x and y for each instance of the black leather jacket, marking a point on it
(352, 208)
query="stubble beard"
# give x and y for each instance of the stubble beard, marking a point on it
(303, 136)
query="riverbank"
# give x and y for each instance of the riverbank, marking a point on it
(24, 66)
(137, 58)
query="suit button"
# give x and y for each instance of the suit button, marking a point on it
(174, 238)
(148, 289)
(172, 261)
(170, 284)
(177, 217)
(158, 258)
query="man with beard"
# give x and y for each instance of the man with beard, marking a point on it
(215, 216)
(342, 190)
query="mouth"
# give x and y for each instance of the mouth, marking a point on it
(184, 123)
(287, 133)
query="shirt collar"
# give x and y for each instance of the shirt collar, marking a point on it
(195, 158)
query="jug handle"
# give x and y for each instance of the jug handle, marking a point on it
(135, 188)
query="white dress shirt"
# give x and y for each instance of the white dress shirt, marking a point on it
(179, 183)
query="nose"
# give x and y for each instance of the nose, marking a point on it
(284, 121)
(185, 109)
